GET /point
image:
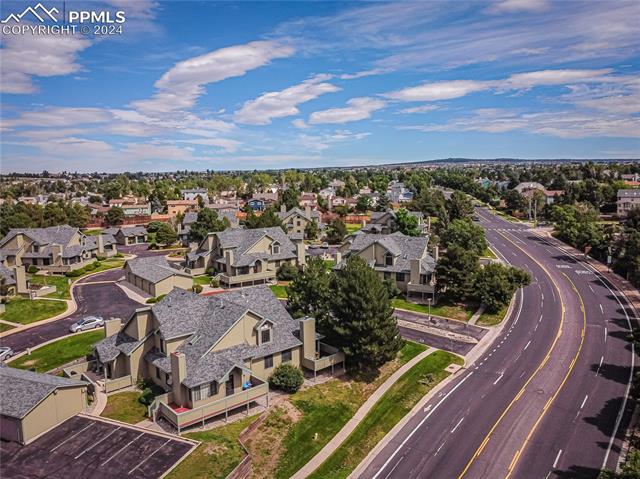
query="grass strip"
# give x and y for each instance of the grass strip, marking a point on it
(451, 311)
(26, 311)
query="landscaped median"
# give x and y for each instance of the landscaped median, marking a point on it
(451, 311)
(387, 412)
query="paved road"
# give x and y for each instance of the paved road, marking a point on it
(544, 400)
(102, 299)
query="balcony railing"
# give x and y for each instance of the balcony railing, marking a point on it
(247, 278)
(420, 288)
(201, 413)
(329, 356)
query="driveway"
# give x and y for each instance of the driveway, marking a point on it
(101, 299)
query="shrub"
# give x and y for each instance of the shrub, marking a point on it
(215, 283)
(392, 288)
(32, 269)
(99, 257)
(197, 288)
(152, 300)
(90, 267)
(118, 255)
(287, 272)
(210, 271)
(287, 378)
(146, 397)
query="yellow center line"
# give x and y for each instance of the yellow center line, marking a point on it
(533, 375)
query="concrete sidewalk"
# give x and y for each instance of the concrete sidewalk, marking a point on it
(348, 428)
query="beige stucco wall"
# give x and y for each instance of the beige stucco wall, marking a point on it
(258, 369)
(176, 281)
(57, 407)
(241, 332)
(140, 325)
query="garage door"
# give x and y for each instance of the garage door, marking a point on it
(9, 429)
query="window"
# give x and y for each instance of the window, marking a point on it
(286, 356)
(423, 279)
(388, 259)
(400, 277)
(213, 388)
(265, 336)
(387, 275)
(158, 372)
(268, 361)
(195, 394)
(230, 386)
(162, 346)
(276, 248)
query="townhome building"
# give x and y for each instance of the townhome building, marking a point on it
(402, 259)
(175, 207)
(384, 222)
(155, 275)
(56, 249)
(397, 192)
(627, 200)
(129, 235)
(193, 194)
(245, 256)
(295, 220)
(211, 354)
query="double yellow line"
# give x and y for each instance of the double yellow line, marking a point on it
(518, 453)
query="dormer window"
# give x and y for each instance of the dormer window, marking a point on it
(265, 335)
(388, 259)
(275, 248)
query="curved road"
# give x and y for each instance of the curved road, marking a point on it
(546, 399)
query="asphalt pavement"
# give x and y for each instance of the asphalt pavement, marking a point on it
(546, 399)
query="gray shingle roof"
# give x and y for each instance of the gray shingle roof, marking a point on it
(190, 217)
(629, 193)
(109, 348)
(153, 268)
(24, 390)
(61, 235)
(134, 231)
(7, 274)
(241, 240)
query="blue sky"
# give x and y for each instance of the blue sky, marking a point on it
(224, 85)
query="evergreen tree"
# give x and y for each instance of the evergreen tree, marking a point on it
(115, 216)
(406, 223)
(336, 231)
(165, 234)
(362, 324)
(311, 230)
(459, 206)
(455, 273)
(309, 294)
(207, 222)
(465, 234)
(495, 285)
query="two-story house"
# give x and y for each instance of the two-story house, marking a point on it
(211, 354)
(56, 249)
(193, 194)
(129, 235)
(384, 222)
(627, 200)
(296, 220)
(245, 256)
(397, 257)
(397, 192)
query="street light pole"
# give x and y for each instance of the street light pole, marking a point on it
(429, 303)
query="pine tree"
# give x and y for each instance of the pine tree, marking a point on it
(309, 293)
(362, 324)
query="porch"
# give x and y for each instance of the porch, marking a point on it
(327, 356)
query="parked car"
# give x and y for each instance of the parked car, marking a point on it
(325, 245)
(88, 322)
(5, 353)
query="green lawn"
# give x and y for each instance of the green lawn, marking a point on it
(279, 290)
(326, 408)
(60, 282)
(106, 264)
(386, 413)
(26, 311)
(125, 407)
(5, 327)
(329, 264)
(203, 280)
(352, 228)
(218, 454)
(452, 311)
(95, 232)
(487, 319)
(60, 352)
(489, 254)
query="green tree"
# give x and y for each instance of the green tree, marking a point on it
(465, 234)
(455, 273)
(208, 222)
(364, 203)
(577, 225)
(514, 201)
(406, 223)
(114, 216)
(430, 202)
(362, 323)
(336, 231)
(311, 230)
(165, 234)
(287, 272)
(459, 206)
(290, 198)
(495, 285)
(287, 378)
(309, 293)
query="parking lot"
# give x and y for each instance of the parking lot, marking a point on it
(84, 447)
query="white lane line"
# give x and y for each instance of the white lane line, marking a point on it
(540, 318)
(456, 426)
(599, 365)
(584, 401)
(536, 328)
(427, 409)
(424, 419)
(96, 443)
(605, 334)
(499, 378)
(394, 468)
(438, 450)
(527, 345)
(555, 463)
(149, 456)
(123, 448)
(601, 309)
(591, 288)
(542, 296)
(69, 438)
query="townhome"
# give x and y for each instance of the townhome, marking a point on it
(154, 275)
(129, 235)
(212, 354)
(131, 206)
(397, 192)
(245, 256)
(384, 222)
(397, 257)
(295, 220)
(308, 199)
(627, 200)
(56, 249)
(13, 281)
(193, 194)
(175, 207)
(261, 201)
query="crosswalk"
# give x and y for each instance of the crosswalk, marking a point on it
(489, 228)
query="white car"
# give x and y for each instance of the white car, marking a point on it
(88, 322)
(5, 353)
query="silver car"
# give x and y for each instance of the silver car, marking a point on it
(88, 322)
(5, 353)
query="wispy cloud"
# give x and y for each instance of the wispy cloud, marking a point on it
(356, 109)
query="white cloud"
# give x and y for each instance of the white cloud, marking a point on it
(299, 123)
(362, 74)
(444, 90)
(24, 56)
(510, 6)
(358, 109)
(420, 109)
(525, 81)
(180, 87)
(224, 143)
(278, 104)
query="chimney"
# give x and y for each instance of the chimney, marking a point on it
(416, 266)
(56, 252)
(307, 212)
(338, 257)
(301, 253)
(283, 208)
(178, 374)
(21, 279)
(100, 243)
(228, 258)
(436, 253)
(112, 326)
(308, 337)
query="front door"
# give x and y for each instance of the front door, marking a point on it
(230, 386)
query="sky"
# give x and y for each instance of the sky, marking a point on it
(241, 85)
